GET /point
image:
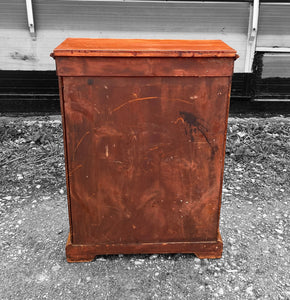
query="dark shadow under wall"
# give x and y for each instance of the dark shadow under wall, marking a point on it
(36, 92)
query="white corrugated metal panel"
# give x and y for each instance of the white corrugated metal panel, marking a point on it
(276, 65)
(274, 26)
(13, 14)
(55, 21)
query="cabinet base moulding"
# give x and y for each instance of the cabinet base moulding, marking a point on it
(86, 253)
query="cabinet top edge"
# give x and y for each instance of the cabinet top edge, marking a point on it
(143, 48)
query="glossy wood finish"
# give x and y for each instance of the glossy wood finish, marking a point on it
(141, 48)
(144, 151)
(141, 66)
(86, 253)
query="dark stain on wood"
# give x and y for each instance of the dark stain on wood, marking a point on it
(194, 124)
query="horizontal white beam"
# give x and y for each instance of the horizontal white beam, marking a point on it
(271, 100)
(161, 1)
(273, 49)
(275, 3)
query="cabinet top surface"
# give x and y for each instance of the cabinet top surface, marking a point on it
(143, 48)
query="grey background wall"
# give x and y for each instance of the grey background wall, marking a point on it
(57, 20)
(27, 72)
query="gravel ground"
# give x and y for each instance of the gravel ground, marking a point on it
(254, 224)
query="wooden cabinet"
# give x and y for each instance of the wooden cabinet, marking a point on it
(144, 131)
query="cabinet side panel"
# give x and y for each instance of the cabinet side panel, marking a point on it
(62, 97)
